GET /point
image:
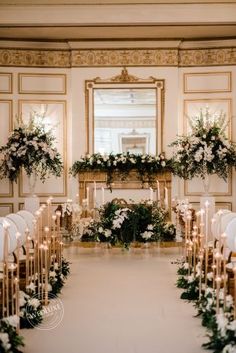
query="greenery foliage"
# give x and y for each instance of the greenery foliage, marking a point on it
(146, 165)
(206, 150)
(123, 224)
(30, 147)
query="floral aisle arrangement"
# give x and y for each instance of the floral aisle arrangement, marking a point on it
(124, 224)
(10, 340)
(206, 150)
(30, 147)
(221, 322)
(57, 276)
(30, 310)
(146, 165)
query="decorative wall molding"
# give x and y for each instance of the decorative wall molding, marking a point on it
(207, 82)
(41, 83)
(34, 58)
(207, 57)
(125, 57)
(118, 57)
(6, 82)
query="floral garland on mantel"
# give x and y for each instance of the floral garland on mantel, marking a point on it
(145, 165)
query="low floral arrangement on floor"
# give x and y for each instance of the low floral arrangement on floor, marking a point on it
(30, 147)
(10, 340)
(146, 165)
(221, 326)
(57, 276)
(206, 150)
(30, 310)
(125, 223)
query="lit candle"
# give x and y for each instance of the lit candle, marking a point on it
(103, 196)
(223, 236)
(158, 192)
(151, 194)
(87, 195)
(94, 194)
(166, 198)
(218, 281)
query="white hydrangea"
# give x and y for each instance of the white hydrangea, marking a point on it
(146, 235)
(229, 348)
(4, 339)
(34, 302)
(107, 233)
(12, 320)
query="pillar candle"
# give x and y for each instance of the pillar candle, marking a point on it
(87, 195)
(94, 194)
(151, 194)
(166, 198)
(158, 192)
(103, 196)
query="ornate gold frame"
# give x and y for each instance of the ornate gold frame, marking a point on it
(124, 80)
(41, 101)
(50, 75)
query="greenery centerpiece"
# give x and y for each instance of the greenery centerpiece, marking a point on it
(122, 224)
(146, 165)
(30, 147)
(206, 150)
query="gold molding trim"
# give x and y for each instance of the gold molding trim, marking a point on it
(228, 74)
(124, 57)
(10, 125)
(9, 75)
(50, 75)
(65, 144)
(207, 57)
(8, 204)
(215, 193)
(118, 57)
(209, 100)
(227, 205)
(35, 58)
(124, 80)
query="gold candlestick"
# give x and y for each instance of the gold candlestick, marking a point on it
(200, 277)
(234, 270)
(218, 281)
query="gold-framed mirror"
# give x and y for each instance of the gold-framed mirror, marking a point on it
(124, 114)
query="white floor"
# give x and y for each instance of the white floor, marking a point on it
(119, 302)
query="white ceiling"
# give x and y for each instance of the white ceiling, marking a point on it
(80, 20)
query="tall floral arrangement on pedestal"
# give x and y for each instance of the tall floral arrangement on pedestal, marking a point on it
(30, 147)
(206, 150)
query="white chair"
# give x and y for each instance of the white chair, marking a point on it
(29, 219)
(230, 232)
(21, 226)
(216, 226)
(12, 230)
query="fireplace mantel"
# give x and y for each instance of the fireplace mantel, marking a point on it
(132, 181)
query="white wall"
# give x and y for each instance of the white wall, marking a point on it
(73, 143)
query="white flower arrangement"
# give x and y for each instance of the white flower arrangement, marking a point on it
(30, 147)
(206, 150)
(146, 165)
(4, 341)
